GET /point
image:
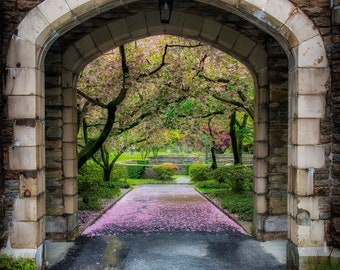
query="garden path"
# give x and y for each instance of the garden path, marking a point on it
(166, 227)
(182, 180)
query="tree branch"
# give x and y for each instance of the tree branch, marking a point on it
(92, 100)
(162, 64)
(235, 103)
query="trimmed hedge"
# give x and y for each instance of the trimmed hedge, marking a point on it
(136, 170)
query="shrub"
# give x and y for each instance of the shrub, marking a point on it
(198, 172)
(165, 171)
(92, 187)
(136, 170)
(118, 173)
(9, 263)
(90, 174)
(210, 184)
(92, 205)
(237, 177)
(187, 169)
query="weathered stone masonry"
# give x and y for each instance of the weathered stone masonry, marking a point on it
(301, 145)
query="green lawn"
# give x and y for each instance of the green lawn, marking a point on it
(137, 182)
(129, 156)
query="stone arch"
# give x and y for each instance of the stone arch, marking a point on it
(308, 76)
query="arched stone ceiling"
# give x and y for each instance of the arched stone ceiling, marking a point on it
(135, 20)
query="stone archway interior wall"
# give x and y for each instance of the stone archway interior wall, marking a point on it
(275, 225)
(61, 165)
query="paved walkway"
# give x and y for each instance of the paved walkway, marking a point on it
(166, 227)
(183, 180)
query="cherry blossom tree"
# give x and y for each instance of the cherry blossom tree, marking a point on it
(156, 84)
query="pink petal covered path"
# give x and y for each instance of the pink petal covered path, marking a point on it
(162, 208)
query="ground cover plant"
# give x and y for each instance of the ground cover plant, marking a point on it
(327, 266)
(232, 186)
(9, 263)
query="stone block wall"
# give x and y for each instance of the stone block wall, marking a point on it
(334, 97)
(11, 13)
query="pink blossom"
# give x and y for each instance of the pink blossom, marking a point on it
(168, 208)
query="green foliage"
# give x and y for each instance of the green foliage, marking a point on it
(9, 263)
(165, 171)
(92, 205)
(198, 172)
(237, 177)
(210, 184)
(89, 175)
(187, 169)
(327, 266)
(136, 170)
(240, 203)
(118, 173)
(137, 182)
(236, 203)
(92, 186)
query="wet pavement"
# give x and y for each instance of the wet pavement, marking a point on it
(166, 227)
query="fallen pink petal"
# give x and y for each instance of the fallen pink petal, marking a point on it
(174, 208)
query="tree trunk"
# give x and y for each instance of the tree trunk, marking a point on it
(107, 174)
(91, 148)
(233, 137)
(213, 157)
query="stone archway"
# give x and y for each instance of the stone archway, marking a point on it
(25, 90)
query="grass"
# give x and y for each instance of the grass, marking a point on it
(138, 182)
(129, 156)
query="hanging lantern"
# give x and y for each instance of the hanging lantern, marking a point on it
(165, 8)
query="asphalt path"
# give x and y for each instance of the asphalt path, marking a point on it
(166, 227)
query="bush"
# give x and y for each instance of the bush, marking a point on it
(187, 169)
(92, 187)
(92, 205)
(165, 171)
(118, 173)
(9, 263)
(237, 177)
(198, 172)
(136, 170)
(210, 184)
(90, 174)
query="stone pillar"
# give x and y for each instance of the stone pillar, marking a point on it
(70, 161)
(307, 226)
(56, 223)
(271, 136)
(260, 167)
(26, 159)
(61, 125)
